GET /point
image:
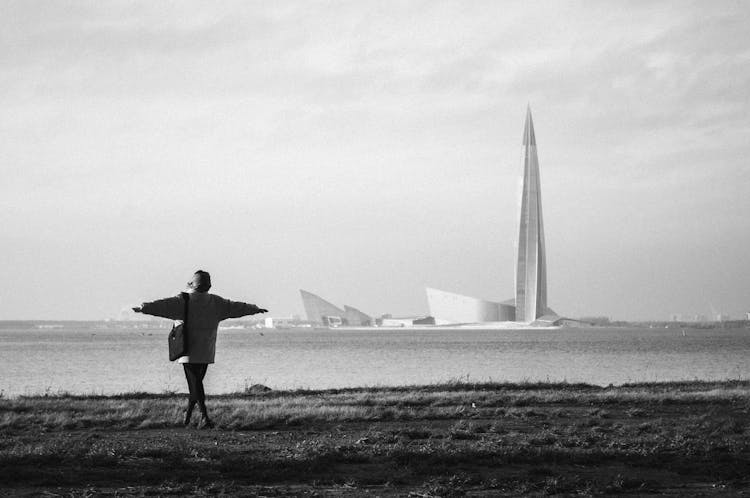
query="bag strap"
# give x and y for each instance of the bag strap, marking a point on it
(186, 298)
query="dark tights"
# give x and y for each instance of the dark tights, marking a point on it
(194, 373)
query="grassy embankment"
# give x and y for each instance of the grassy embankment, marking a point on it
(442, 440)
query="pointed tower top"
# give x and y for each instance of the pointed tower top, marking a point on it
(528, 129)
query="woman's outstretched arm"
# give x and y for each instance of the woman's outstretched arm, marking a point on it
(171, 307)
(236, 309)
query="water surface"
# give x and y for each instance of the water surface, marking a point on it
(107, 357)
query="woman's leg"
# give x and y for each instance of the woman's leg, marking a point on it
(193, 380)
(201, 394)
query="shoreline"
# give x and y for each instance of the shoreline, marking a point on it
(453, 439)
(460, 383)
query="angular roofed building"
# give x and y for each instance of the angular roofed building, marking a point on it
(319, 310)
(322, 312)
(356, 318)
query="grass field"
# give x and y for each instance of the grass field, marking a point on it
(458, 439)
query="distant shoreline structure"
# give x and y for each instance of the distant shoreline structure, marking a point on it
(505, 325)
(527, 309)
(299, 323)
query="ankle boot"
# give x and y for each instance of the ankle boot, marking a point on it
(189, 413)
(205, 422)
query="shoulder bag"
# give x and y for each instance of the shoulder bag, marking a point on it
(178, 335)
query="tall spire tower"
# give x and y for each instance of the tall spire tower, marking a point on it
(531, 268)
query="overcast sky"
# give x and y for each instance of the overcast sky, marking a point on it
(364, 150)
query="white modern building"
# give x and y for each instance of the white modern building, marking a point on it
(456, 308)
(531, 265)
(530, 301)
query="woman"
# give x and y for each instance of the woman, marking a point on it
(205, 311)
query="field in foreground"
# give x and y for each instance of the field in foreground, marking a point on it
(458, 439)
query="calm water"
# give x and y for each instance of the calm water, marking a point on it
(110, 358)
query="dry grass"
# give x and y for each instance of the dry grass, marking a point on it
(438, 440)
(281, 409)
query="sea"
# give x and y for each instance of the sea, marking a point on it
(117, 357)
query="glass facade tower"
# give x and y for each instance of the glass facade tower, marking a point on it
(531, 267)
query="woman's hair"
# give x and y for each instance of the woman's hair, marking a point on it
(201, 281)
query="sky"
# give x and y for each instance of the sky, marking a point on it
(364, 150)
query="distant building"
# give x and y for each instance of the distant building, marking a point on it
(596, 320)
(281, 322)
(396, 322)
(332, 321)
(449, 307)
(407, 321)
(531, 266)
(322, 312)
(356, 318)
(530, 301)
(318, 309)
(558, 321)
